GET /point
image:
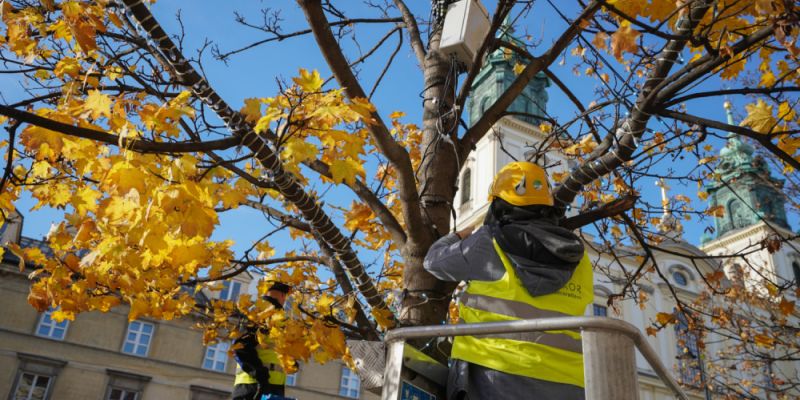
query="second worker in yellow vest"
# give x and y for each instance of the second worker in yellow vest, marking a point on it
(258, 369)
(519, 265)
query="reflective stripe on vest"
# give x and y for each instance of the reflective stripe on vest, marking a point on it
(554, 356)
(270, 359)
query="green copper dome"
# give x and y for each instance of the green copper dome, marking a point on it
(497, 75)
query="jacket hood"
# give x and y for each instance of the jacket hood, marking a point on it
(544, 255)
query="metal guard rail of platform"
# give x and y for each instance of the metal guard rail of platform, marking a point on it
(610, 371)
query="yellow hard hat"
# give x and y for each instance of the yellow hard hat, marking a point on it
(522, 183)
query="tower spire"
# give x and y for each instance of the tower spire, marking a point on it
(669, 225)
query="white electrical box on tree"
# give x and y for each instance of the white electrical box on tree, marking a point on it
(465, 27)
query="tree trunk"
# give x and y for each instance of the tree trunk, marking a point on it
(426, 298)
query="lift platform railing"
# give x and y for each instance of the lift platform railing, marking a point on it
(609, 358)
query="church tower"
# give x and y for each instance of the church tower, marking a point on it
(497, 75)
(753, 210)
(746, 189)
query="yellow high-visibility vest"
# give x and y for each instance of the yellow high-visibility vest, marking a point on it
(554, 356)
(270, 360)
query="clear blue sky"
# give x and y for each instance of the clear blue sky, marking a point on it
(254, 74)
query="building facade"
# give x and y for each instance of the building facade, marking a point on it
(103, 356)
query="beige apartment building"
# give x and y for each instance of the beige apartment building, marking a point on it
(103, 356)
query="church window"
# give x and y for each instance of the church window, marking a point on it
(689, 364)
(466, 186)
(680, 278)
(738, 214)
(485, 103)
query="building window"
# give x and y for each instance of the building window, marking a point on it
(599, 311)
(122, 394)
(291, 379)
(350, 386)
(690, 368)
(32, 387)
(51, 329)
(137, 341)
(35, 377)
(680, 278)
(796, 271)
(230, 290)
(466, 186)
(125, 386)
(216, 358)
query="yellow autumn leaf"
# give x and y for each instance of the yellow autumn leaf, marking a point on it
(786, 306)
(98, 104)
(309, 81)
(664, 318)
(767, 79)
(764, 341)
(60, 316)
(518, 68)
(251, 109)
(383, 318)
(759, 117)
(786, 112)
(624, 40)
(363, 107)
(124, 177)
(346, 170)
(299, 150)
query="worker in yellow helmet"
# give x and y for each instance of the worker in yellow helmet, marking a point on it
(519, 265)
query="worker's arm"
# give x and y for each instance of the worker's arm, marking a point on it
(454, 259)
(246, 353)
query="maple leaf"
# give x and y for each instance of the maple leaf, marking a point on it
(767, 79)
(764, 341)
(759, 117)
(786, 307)
(124, 177)
(363, 107)
(251, 109)
(346, 171)
(786, 112)
(232, 198)
(85, 200)
(44, 143)
(67, 66)
(299, 150)
(624, 40)
(98, 104)
(664, 318)
(600, 41)
(383, 317)
(309, 81)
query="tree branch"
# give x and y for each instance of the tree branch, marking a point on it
(764, 140)
(137, 145)
(413, 31)
(718, 93)
(397, 155)
(281, 37)
(613, 208)
(631, 129)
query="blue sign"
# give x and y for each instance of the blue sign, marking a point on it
(411, 392)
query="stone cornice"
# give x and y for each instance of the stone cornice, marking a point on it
(739, 235)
